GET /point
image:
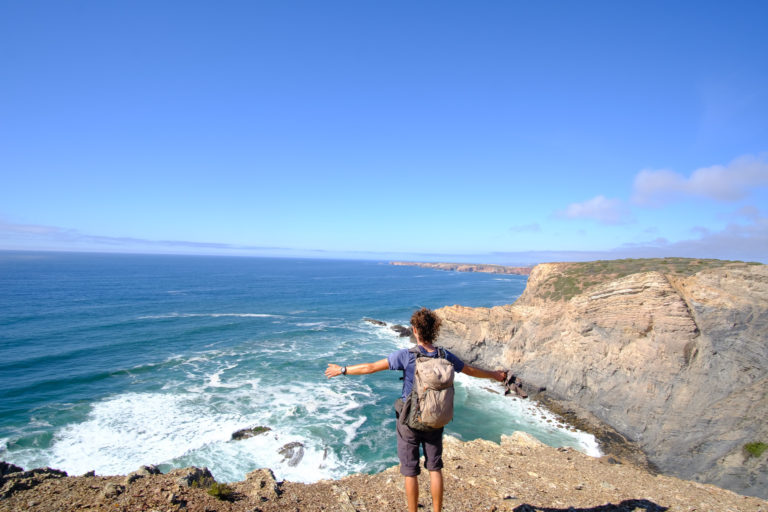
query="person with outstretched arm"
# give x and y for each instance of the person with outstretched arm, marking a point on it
(426, 326)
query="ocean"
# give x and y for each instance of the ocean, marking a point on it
(109, 362)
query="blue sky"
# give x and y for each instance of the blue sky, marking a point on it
(496, 131)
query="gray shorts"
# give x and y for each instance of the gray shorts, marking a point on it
(408, 443)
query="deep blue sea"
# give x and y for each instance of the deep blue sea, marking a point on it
(108, 362)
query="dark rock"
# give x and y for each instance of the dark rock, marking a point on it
(193, 477)
(292, 452)
(7, 468)
(375, 322)
(141, 473)
(402, 330)
(249, 432)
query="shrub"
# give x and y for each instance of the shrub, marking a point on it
(222, 491)
(755, 449)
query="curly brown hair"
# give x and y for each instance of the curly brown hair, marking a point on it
(427, 323)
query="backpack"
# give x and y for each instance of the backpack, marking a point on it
(430, 404)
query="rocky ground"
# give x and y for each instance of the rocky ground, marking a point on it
(520, 475)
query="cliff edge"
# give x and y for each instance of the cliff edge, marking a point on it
(518, 475)
(671, 353)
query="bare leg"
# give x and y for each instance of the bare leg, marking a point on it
(412, 492)
(436, 486)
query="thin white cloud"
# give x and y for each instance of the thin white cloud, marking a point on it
(599, 208)
(63, 237)
(723, 183)
(32, 229)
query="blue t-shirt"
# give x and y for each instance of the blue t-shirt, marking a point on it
(405, 360)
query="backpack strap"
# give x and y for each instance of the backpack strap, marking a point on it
(440, 352)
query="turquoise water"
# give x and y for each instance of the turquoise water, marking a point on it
(108, 362)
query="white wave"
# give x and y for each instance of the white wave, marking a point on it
(129, 430)
(124, 432)
(208, 315)
(264, 451)
(314, 326)
(382, 333)
(351, 430)
(537, 420)
(214, 379)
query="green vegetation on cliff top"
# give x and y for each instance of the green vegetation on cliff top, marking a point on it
(574, 278)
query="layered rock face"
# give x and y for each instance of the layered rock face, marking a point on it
(677, 363)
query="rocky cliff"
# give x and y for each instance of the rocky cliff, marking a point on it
(671, 353)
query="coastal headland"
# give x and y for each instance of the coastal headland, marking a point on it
(671, 353)
(467, 267)
(669, 356)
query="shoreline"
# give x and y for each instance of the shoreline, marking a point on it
(610, 442)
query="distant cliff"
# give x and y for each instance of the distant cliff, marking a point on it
(468, 267)
(672, 353)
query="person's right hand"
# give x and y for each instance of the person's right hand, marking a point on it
(500, 375)
(333, 370)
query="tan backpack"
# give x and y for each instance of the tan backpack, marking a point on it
(430, 404)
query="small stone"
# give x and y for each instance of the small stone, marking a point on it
(113, 490)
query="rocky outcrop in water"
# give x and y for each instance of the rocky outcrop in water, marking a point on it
(247, 433)
(675, 359)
